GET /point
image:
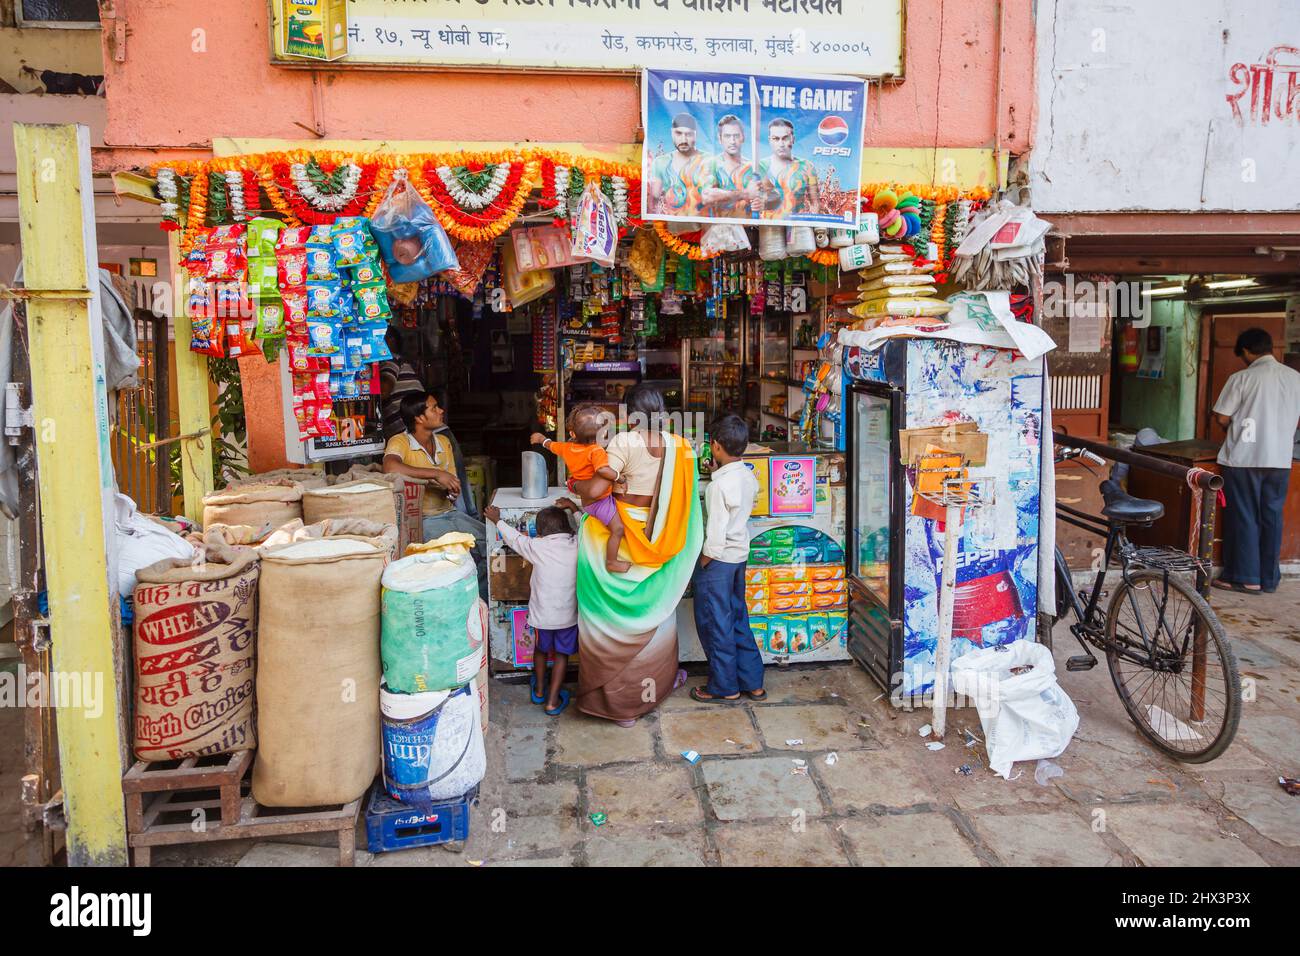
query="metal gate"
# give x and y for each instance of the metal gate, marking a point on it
(143, 425)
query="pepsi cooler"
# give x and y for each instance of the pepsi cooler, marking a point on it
(894, 555)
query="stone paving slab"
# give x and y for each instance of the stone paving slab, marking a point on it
(753, 788)
(615, 846)
(778, 844)
(859, 780)
(1268, 808)
(644, 796)
(1052, 838)
(1177, 835)
(718, 729)
(588, 741)
(818, 726)
(911, 839)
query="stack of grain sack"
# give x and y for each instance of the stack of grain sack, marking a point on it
(248, 511)
(434, 696)
(318, 674)
(897, 285)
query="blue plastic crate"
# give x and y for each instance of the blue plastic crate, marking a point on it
(391, 825)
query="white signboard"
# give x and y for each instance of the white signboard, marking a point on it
(855, 37)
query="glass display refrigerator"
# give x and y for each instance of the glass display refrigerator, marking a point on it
(894, 550)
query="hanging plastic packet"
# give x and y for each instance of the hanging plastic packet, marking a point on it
(595, 237)
(321, 264)
(372, 303)
(261, 237)
(270, 320)
(800, 241)
(199, 297)
(412, 242)
(378, 350)
(293, 268)
(196, 260)
(328, 300)
(207, 336)
(322, 336)
(292, 238)
(263, 278)
(295, 312)
(368, 272)
(771, 243)
(349, 236)
(227, 256)
(722, 237)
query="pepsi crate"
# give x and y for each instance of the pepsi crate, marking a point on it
(391, 825)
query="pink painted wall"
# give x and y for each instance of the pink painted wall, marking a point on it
(167, 96)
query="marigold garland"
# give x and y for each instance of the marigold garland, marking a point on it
(196, 212)
(682, 247)
(824, 257)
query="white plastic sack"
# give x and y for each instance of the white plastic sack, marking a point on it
(433, 744)
(721, 237)
(1025, 716)
(142, 542)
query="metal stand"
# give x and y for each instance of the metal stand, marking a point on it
(959, 493)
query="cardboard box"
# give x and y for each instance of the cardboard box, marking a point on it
(315, 29)
(964, 439)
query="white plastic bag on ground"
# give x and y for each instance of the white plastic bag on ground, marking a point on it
(1024, 712)
(141, 541)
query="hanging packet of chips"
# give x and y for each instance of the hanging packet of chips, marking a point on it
(262, 235)
(368, 272)
(207, 335)
(351, 238)
(321, 260)
(647, 255)
(328, 299)
(227, 256)
(323, 336)
(372, 303)
(596, 236)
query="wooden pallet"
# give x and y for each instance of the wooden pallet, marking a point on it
(161, 799)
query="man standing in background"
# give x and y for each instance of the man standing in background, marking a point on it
(1259, 408)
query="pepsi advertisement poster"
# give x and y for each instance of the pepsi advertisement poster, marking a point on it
(752, 149)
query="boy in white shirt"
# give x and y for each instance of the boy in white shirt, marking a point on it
(721, 617)
(552, 599)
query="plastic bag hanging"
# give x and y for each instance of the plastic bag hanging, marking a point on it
(411, 240)
(596, 234)
(722, 237)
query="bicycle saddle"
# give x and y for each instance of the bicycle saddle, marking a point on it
(1121, 506)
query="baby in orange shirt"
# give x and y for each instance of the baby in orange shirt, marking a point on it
(586, 460)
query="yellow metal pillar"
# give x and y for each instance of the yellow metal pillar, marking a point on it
(192, 395)
(70, 410)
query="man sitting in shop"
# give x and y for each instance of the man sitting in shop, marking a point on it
(1259, 408)
(425, 449)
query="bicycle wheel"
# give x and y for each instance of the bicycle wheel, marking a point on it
(1185, 695)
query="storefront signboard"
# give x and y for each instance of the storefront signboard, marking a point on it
(854, 37)
(752, 149)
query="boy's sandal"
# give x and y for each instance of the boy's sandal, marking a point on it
(759, 694)
(564, 702)
(704, 697)
(532, 691)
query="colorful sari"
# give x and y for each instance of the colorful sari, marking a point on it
(627, 623)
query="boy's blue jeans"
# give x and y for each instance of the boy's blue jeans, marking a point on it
(722, 621)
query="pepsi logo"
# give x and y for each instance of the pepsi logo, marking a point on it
(833, 130)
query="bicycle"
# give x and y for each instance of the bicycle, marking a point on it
(1168, 654)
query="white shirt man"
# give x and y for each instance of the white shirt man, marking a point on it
(1259, 408)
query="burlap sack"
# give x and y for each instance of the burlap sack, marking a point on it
(370, 499)
(194, 663)
(302, 477)
(408, 496)
(318, 669)
(262, 506)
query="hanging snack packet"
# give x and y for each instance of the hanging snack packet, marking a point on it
(270, 319)
(200, 298)
(227, 258)
(262, 235)
(263, 278)
(292, 238)
(367, 273)
(596, 236)
(327, 299)
(293, 269)
(379, 350)
(196, 260)
(372, 303)
(322, 337)
(349, 237)
(321, 262)
(412, 242)
(207, 336)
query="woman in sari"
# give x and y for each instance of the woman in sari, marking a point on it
(627, 622)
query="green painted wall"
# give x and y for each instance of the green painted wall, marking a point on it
(1167, 404)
